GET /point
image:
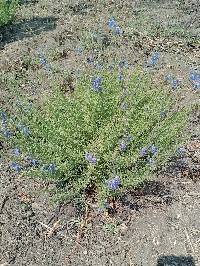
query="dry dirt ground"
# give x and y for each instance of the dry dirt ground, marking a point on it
(155, 225)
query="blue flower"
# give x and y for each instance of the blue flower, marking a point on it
(23, 129)
(155, 56)
(197, 85)
(99, 66)
(27, 158)
(174, 83)
(120, 77)
(3, 117)
(19, 104)
(117, 30)
(123, 106)
(90, 158)
(194, 76)
(122, 146)
(111, 67)
(151, 162)
(96, 84)
(181, 151)
(143, 152)
(163, 114)
(126, 65)
(129, 138)
(16, 152)
(154, 150)
(33, 162)
(48, 168)
(114, 183)
(51, 168)
(151, 62)
(30, 104)
(122, 64)
(168, 77)
(124, 142)
(19, 127)
(90, 60)
(79, 50)
(43, 61)
(154, 59)
(111, 23)
(15, 166)
(7, 134)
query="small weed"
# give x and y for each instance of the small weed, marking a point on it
(110, 228)
(7, 11)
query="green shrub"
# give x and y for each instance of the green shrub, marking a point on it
(128, 128)
(7, 11)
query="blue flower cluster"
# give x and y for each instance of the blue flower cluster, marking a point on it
(5, 132)
(50, 168)
(123, 64)
(97, 84)
(119, 76)
(15, 166)
(112, 25)
(43, 60)
(111, 68)
(194, 77)
(124, 143)
(98, 66)
(3, 118)
(16, 152)
(181, 151)
(145, 150)
(23, 129)
(89, 60)
(44, 63)
(174, 82)
(153, 59)
(23, 107)
(32, 162)
(90, 158)
(114, 183)
(163, 114)
(79, 50)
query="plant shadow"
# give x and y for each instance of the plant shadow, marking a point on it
(156, 190)
(162, 191)
(26, 29)
(81, 8)
(175, 261)
(27, 2)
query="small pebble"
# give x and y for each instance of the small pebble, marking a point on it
(85, 252)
